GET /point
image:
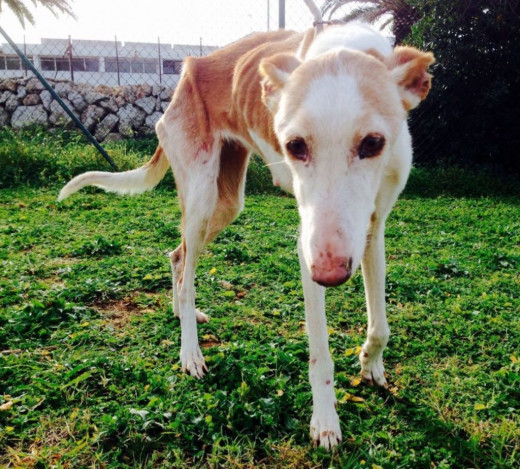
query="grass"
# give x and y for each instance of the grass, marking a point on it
(89, 370)
(37, 156)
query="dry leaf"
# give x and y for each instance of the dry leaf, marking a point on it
(6, 405)
(355, 381)
(225, 284)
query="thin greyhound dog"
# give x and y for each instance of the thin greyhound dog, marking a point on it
(327, 112)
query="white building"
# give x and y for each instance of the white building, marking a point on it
(109, 63)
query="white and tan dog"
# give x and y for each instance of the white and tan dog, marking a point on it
(331, 109)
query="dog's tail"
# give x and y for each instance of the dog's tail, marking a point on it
(128, 182)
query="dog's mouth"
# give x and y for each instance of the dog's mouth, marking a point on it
(337, 272)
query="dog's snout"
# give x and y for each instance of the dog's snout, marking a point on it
(334, 273)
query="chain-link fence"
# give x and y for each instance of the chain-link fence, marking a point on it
(107, 63)
(118, 61)
(120, 87)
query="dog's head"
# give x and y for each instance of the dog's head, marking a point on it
(336, 117)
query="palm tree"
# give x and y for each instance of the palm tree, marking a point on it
(19, 8)
(399, 13)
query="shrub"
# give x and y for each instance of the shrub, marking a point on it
(37, 156)
(473, 109)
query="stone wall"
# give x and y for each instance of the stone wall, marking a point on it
(108, 113)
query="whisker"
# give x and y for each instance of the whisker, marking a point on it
(278, 162)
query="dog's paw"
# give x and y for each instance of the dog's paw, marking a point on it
(193, 362)
(201, 317)
(372, 369)
(325, 430)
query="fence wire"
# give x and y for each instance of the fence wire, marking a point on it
(116, 87)
(120, 88)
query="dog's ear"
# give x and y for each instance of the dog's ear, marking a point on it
(275, 71)
(408, 66)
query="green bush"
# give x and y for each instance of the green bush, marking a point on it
(472, 112)
(37, 156)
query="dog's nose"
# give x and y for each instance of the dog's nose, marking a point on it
(335, 273)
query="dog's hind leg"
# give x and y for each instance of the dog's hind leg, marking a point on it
(231, 183)
(234, 158)
(177, 265)
(211, 195)
(196, 176)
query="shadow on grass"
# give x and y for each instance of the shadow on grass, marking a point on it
(461, 182)
(441, 440)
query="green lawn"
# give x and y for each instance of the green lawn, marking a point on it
(89, 370)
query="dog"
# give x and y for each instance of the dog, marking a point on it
(327, 113)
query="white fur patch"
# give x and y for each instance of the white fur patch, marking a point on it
(357, 36)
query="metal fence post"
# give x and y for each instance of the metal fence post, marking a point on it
(281, 14)
(25, 52)
(117, 62)
(159, 56)
(268, 15)
(70, 61)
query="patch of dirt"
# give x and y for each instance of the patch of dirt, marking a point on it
(54, 282)
(63, 261)
(119, 313)
(209, 344)
(209, 340)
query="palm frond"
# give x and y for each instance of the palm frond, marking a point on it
(357, 14)
(55, 6)
(375, 14)
(386, 23)
(340, 3)
(23, 14)
(332, 6)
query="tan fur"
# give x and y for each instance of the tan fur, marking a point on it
(232, 171)
(158, 161)
(220, 91)
(415, 79)
(306, 42)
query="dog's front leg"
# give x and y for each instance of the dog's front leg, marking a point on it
(325, 429)
(378, 332)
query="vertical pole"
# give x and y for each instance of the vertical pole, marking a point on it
(268, 15)
(25, 53)
(281, 14)
(159, 56)
(117, 63)
(70, 61)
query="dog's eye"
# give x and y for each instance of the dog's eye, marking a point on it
(371, 146)
(297, 148)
